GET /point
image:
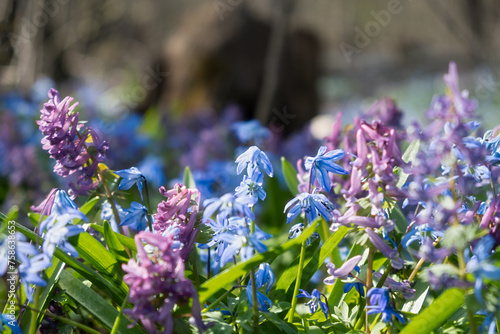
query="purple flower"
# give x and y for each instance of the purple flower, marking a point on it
(387, 251)
(403, 287)
(130, 177)
(254, 159)
(315, 301)
(179, 211)
(157, 283)
(323, 163)
(313, 205)
(379, 303)
(73, 150)
(341, 272)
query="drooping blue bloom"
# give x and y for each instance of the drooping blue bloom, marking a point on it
(323, 163)
(313, 205)
(357, 285)
(240, 241)
(62, 203)
(263, 302)
(228, 205)
(108, 214)
(57, 231)
(254, 160)
(250, 131)
(130, 177)
(10, 321)
(264, 277)
(29, 273)
(480, 266)
(379, 303)
(296, 230)
(136, 217)
(315, 301)
(419, 233)
(250, 190)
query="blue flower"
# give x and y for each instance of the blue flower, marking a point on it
(130, 177)
(263, 302)
(240, 241)
(254, 159)
(62, 203)
(315, 301)
(29, 272)
(136, 217)
(313, 205)
(379, 303)
(108, 214)
(10, 321)
(228, 205)
(296, 230)
(250, 190)
(264, 277)
(58, 230)
(323, 163)
(480, 266)
(152, 169)
(357, 285)
(419, 233)
(250, 131)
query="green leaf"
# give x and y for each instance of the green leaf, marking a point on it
(111, 290)
(124, 240)
(94, 303)
(409, 155)
(415, 305)
(229, 276)
(188, 179)
(114, 245)
(312, 262)
(278, 322)
(437, 313)
(290, 175)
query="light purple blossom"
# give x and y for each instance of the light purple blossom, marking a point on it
(341, 272)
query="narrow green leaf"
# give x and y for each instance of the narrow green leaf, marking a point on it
(290, 175)
(111, 290)
(188, 179)
(124, 240)
(54, 272)
(437, 313)
(409, 155)
(94, 303)
(211, 286)
(312, 262)
(278, 322)
(114, 245)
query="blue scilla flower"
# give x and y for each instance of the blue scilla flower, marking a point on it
(136, 217)
(254, 160)
(108, 214)
(130, 177)
(379, 303)
(251, 131)
(62, 203)
(29, 273)
(323, 163)
(10, 321)
(264, 277)
(263, 301)
(315, 301)
(296, 230)
(250, 190)
(420, 233)
(313, 205)
(480, 266)
(227, 205)
(357, 285)
(240, 241)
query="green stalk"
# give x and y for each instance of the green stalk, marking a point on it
(369, 283)
(297, 281)
(255, 305)
(118, 319)
(33, 322)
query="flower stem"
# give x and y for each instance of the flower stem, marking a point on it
(118, 319)
(472, 321)
(255, 304)
(297, 281)
(369, 283)
(111, 201)
(34, 318)
(384, 276)
(150, 223)
(420, 263)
